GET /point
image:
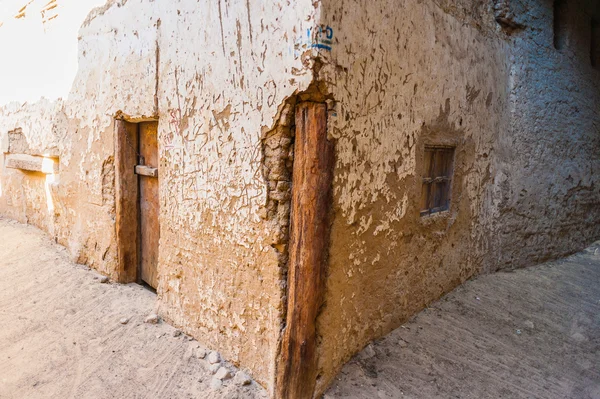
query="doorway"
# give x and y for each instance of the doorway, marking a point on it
(137, 202)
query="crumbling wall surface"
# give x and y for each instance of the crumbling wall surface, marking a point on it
(221, 78)
(547, 186)
(39, 44)
(227, 72)
(29, 129)
(116, 77)
(75, 206)
(116, 73)
(404, 75)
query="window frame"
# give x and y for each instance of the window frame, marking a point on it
(429, 179)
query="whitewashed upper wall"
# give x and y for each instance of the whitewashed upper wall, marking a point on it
(226, 68)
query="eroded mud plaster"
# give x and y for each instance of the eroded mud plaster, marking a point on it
(35, 130)
(410, 74)
(215, 74)
(222, 79)
(220, 261)
(277, 146)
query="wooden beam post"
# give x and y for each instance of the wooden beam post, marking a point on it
(126, 198)
(309, 244)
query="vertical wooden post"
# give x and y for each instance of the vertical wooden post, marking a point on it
(309, 244)
(126, 198)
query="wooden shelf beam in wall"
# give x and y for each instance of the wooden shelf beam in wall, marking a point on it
(32, 163)
(309, 244)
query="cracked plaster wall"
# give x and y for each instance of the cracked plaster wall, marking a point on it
(220, 275)
(218, 76)
(35, 84)
(215, 74)
(405, 74)
(34, 129)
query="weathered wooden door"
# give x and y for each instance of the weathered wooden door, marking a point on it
(147, 171)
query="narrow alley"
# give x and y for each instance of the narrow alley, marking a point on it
(530, 333)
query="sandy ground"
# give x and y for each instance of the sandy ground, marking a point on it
(532, 333)
(61, 335)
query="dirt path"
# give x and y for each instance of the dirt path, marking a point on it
(61, 336)
(532, 333)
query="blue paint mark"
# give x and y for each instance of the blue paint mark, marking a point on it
(323, 38)
(321, 46)
(319, 37)
(329, 32)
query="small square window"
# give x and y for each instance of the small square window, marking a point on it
(437, 179)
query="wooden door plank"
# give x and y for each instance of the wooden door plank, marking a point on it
(126, 208)
(309, 244)
(149, 205)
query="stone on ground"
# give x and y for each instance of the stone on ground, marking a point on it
(213, 357)
(242, 378)
(223, 373)
(216, 383)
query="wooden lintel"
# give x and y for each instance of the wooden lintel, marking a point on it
(309, 244)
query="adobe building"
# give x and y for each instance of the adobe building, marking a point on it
(297, 178)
